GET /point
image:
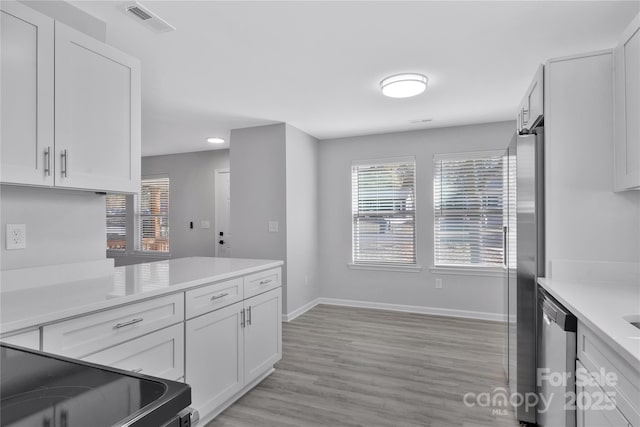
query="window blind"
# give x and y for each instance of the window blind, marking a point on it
(153, 215)
(383, 212)
(468, 202)
(116, 221)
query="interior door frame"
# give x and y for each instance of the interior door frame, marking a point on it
(216, 174)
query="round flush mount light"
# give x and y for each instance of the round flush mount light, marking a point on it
(403, 85)
(215, 140)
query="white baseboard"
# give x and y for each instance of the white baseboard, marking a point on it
(465, 314)
(300, 311)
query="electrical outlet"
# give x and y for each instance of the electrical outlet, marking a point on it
(16, 236)
(273, 226)
(438, 283)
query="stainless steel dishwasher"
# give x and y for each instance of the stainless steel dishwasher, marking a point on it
(556, 363)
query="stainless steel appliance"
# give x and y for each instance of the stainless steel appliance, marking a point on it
(556, 362)
(524, 261)
(41, 389)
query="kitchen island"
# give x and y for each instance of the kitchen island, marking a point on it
(214, 323)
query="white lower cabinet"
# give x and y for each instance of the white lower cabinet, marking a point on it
(229, 348)
(160, 354)
(215, 348)
(595, 408)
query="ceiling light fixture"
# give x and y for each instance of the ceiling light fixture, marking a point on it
(403, 85)
(215, 140)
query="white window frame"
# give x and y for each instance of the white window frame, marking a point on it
(390, 266)
(133, 242)
(463, 269)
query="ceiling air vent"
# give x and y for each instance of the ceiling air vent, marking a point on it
(147, 18)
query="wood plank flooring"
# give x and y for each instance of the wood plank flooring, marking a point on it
(346, 366)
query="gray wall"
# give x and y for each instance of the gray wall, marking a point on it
(302, 218)
(191, 198)
(62, 226)
(258, 176)
(469, 293)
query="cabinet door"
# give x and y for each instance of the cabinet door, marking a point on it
(263, 333)
(97, 114)
(594, 408)
(627, 109)
(214, 349)
(27, 95)
(160, 354)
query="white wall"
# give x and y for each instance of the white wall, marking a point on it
(63, 226)
(585, 219)
(191, 199)
(302, 218)
(258, 176)
(466, 294)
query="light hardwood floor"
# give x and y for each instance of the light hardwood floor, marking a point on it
(345, 366)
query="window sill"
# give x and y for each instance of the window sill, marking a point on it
(469, 271)
(115, 253)
(401, 268)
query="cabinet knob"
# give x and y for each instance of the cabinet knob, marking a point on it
(221, 242)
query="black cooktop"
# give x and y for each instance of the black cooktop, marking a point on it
(44, 390)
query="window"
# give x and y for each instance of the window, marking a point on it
(151, 223)
(384, 212)
(468, 202)
(116, 222)
(153, 215)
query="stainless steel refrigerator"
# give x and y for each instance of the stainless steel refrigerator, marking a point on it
(523, 261)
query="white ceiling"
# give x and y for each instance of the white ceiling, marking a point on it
(317, 64)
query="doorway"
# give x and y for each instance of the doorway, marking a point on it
(222, 212)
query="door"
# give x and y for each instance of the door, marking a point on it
(26, 52)
(262, 334)
(97, 121)
(223, 209)
(214, 355)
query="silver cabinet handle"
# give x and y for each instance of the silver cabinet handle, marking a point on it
(135, 371)
(215, 297)
(504, 245)
(249, 316)
(264, 282)
(47, 161)
(64, 157)
(242, 322)
(129, 323)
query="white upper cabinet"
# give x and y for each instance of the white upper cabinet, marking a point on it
(97, 107)
(627, 109)
(71, 115)
(27, 95)
(531, 108)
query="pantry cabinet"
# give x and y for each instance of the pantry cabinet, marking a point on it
(627, 109)
(26, 51)
(71, 107)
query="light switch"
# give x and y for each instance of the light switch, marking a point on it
(273, 226)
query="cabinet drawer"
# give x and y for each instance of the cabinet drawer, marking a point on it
(88, 334)
(213, 297)
(595, 355)
(160, 354)
(263, 281)
(30, 339)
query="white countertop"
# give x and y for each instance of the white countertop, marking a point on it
(24, 308)
(600, 306)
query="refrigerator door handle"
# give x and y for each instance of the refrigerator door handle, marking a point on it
(504, 245)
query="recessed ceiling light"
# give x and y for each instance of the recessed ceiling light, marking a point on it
(215, 140)
(403, 85)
